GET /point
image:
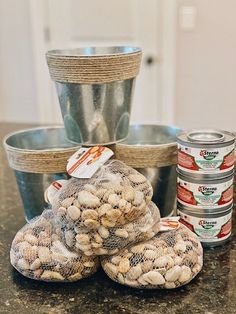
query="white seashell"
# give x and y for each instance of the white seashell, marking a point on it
(23, 264)
(30, 253)
(150, 254)
(22, 246)
(122, 204)
(85, 247)
(114, 251)
(169, 285)
(178, 260)
(58, 257)
(116, 260)
(59, 247)
(89, 214)
(113, 214)
(104, 233)
(67, 202)
(98, 238)
(100, 251)
(88, 253)
(31, 239)
(113, 199)
(111, 269)
(185, 275)
(142, 282)
(153, 277)
(129, 227)
(51, 275)
(173, 274)
(35, 265)
(61, 212)
(88, 200)
(73, 212)
(75, 277)
(69, 237)
(134, 272)
(138, 198)
(91, 223)
(122, 233)
(127, 208)
(96, 245)
(107, 223)
(138, 248)
(180, 247)
(131, 283)
(19, 237)
(196, 269)
(100, 192)
(164, 261)
(82, 238)
(128, 194)
(89, 264)
(102, 210)
(90, 188)
(124, 265)
(120, 278)
(147, 266)
(44, 254)
(137, 178)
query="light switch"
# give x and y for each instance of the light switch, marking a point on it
(187, 18)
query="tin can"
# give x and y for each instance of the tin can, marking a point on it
(208, 193)
(208, 153)
(212, 228)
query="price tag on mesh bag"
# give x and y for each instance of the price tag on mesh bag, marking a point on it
(169, 223)
(86, 161)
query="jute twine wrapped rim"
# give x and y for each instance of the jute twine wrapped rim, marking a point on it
(77, 66)
(147, 156)
(37, 161)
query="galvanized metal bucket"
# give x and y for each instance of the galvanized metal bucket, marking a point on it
(95, 86)
(38, 157)
(152, 150)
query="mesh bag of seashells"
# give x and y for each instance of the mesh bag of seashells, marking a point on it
(37, 252)
(169, 260)
(116, 195)
(108, 241)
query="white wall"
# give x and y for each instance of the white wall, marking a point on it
(17, 89)
(206, 67)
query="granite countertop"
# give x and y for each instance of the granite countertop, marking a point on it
(213, 291)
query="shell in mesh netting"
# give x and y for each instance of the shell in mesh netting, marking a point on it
(38, 253)
(115, 195)
(108, 241)
(169, 260)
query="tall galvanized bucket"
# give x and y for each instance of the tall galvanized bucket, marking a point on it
(95, 86)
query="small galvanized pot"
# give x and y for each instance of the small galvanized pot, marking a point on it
(38, 157)
(152, 150)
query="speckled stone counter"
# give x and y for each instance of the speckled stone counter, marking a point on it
(213, 291)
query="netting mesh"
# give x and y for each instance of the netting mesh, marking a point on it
(114, 196)
(169, 260)
(37, 252)
(108, 241)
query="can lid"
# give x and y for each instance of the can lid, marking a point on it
(204, 210)
(206, 136)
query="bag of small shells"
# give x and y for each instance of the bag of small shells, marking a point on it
(114, 196)
(169, 260)
(108, 241)
(38, 253)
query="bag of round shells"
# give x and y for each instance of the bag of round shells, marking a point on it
(169, 260)
(38, 253)
(114, 196)
(107, 240)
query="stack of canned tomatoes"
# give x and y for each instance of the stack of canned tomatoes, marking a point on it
(205, 184)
